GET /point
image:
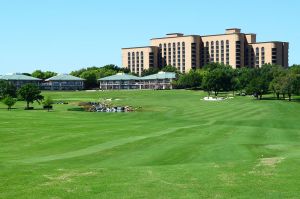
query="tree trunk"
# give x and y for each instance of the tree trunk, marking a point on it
(283, 95)
(260, 96)
(277, 94)
(290, 97)
(27, 105)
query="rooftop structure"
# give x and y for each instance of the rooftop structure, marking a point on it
(161, 80)
(65, 77)
(63, 82)
(19, 79)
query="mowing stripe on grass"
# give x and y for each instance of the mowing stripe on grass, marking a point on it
(104, 146)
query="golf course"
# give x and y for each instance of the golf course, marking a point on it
(175, 146)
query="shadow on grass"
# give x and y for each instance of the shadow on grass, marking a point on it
(280, 99)
(76, 109)
(10, 109)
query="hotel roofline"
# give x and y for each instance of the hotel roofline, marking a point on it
(140, 47)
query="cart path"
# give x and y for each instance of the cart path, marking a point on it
(104, 146)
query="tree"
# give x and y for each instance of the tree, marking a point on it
(92, 74)
(7, 89)
(192, 79)
(217, 79)
(289, 85)
(9, 102)
(38, 74)
(90, 79)
(242, 77)
(43, 75)
(276, 85)
(169, 68)
(149, 71)
(48, 102)
(30, 93)
(258, 87)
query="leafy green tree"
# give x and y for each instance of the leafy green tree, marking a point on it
(295, 69)
(149, 71)
(7, 89)
(38, 74)
(92, 74)
(289, 85)
(217, 79)
(9, 102)
(91, 79)
(48, 102)
(258, 86)
(43, 75)
(242, 77)
(27, 74)
(192, 79)
(30, 93)
(169, 68)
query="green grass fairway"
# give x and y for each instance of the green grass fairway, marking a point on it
(177, 147)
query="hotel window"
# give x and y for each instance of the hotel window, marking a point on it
(165, 55)
(227, 52)
(151, 60)
(217, 51)
(222, 52)
(212, 51)
(262, 56)
(238, 53)
(174, 54)
(129, 59)
(142, 60)
(178, 54)
(207, 52)
(257, 57)
(169, 53)
(133, 61)
(137, 59)
(183, 54)
(274, 55)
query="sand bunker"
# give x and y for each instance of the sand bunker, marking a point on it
(216, 98)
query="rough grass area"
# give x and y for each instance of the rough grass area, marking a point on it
(178, 146)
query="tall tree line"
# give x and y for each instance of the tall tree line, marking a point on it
(214, 78)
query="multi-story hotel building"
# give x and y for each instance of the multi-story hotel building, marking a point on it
(186, 52)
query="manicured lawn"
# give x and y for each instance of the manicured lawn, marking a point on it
(177, 147)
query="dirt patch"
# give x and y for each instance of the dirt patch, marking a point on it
(65, 177)
(270, 162)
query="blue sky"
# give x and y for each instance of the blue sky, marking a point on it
(65, 35)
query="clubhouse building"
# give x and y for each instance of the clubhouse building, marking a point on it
(19, 79)
(159, 81)
(63, 82)
(186, 52)
(59, 82)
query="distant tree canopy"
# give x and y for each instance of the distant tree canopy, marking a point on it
(7, 89)
(92, 74)
(169, 68)
(43, 75)
(215, 77)
(192, 79)
(149, 71)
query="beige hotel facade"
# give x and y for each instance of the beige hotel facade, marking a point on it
(186, 52)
